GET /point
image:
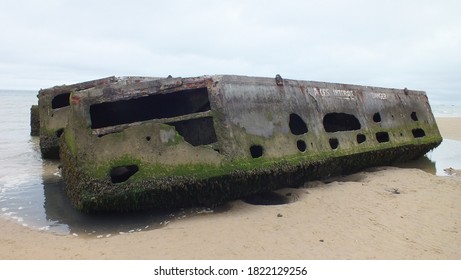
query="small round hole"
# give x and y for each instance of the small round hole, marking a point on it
(361, 138)
(148, 138)
(301, 145)
(377, 117)
(256, 151)
(121, 174)
(334, 143)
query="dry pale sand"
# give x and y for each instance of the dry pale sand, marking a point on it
(450, 128)
(383, 213)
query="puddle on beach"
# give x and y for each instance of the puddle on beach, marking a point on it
(34, 196)
(439, 160)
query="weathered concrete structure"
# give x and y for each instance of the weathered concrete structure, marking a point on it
(34, 121)
(53, 108)
(178, 142)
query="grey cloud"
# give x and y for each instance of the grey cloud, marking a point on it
(411, 44)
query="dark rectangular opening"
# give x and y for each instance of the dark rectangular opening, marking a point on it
(196, 131)
(418, 132)
(156, 106)
(382, 137)
(256, 151)
(60, 100)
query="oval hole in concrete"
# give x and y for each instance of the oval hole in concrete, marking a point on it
(301, 145)
(60, 100)
(361, 138)
(334, 122)
(297, 125)
(418, 133)
(334, 143)
(377, 117)
(122, 173)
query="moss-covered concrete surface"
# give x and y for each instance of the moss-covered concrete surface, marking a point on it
(224, 183)
(263, 136)
(49, 117)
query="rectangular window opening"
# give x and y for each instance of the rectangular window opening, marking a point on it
(196, 131)
(156, 106)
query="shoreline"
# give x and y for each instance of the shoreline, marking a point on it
(379, 213)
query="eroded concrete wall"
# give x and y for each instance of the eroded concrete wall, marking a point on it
(34, 121)
(53, 110)
(200, 141)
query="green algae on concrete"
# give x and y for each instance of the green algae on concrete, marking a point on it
(49, 117)
(203, 141)
(53, 108)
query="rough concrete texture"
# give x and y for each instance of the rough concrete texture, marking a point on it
(201, 141)
(53, 109)
(34, 121)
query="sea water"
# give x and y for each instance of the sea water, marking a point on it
(32, 189)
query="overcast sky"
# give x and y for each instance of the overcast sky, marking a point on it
(414, 44)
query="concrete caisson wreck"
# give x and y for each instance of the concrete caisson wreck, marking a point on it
(179, 142)
(53, 107)
(49, 117)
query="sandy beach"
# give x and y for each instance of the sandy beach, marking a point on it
(379, 213)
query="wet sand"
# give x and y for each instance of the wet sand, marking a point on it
(380, 213)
